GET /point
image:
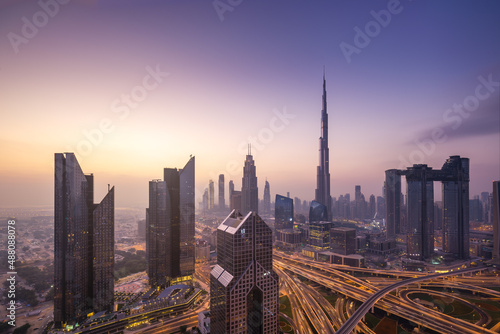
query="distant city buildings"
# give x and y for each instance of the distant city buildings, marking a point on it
(83, 245)
(170, 248)
(243, 285)
(322, 193)
(211, 195)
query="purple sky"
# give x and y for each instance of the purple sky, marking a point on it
(136, 86)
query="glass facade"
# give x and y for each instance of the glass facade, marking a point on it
(318, 212)
(170, 221)
(283, 212)
(319, 235)
(243, 284)
(81, 229)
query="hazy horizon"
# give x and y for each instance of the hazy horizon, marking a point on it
(134, 87)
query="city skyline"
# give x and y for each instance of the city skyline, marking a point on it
(66, 84)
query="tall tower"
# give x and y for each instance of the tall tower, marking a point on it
(222, 201)
(322, 194)
(455, 183)
(83, 244)
(496, 221)
(267, 198)
(243, 285)
(392, 194)
(283, 212)
(249, 190)
(170, 225)
(211, 200)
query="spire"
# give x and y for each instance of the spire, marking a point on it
(249, 149)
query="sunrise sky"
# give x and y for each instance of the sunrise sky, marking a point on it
(135, 86)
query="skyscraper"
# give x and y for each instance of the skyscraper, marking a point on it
(392, 202)
(267, 198)
(231, 188)
(322, 194)
(222, 201)
(454, 176)
(83, 244)
(211, 195)
(243, 286)
(170, 226)
(420, 212)
(283, 212)
(249, 190)
(496, 220)
(317, 212)
(455, 181)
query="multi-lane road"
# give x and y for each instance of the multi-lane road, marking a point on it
(358, 289)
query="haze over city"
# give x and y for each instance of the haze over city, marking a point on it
(133, 87)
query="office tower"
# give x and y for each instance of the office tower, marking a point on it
(454, 176)
(322, 194)
(267, 198)
(235, 200)
(496, 220)
(222, 201)
(187, 225)
(204, 202)
(283, 212)
(381, 207)
(455, 184)
(317, 212)
(343, 240)
(170, 226)
(211, 199)
(392, 202)
(420, 212)
(141, 229)
(83, 244)
(438, 215)
(243, 285)
(249, 190)
(372, 208)
(475, 210)
(319, 234)
(231, 188)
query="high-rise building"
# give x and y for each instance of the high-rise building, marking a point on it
(170, 248)
(372, 208)
(454, 176)
(211, 195)
(322, 194)
(343, 240)
(222, 201)
(455, 183)
(231, 188)
(235, 200)
(392, 203)
(283, 212)
(496, 220)
(267, 198)
(243, 285)
(83, 244)
(204, 201)
(420, 212)
(249, 190)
